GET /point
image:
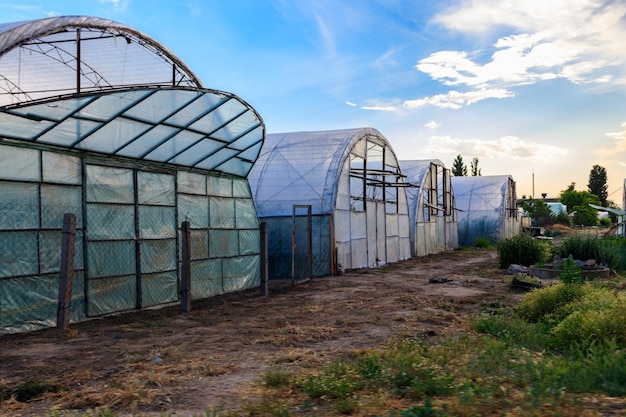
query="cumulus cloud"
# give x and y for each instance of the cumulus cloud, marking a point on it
(432, 125)
(457, 99)
(510, 147)
(556, 39)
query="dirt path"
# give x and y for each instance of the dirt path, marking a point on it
(216, 355)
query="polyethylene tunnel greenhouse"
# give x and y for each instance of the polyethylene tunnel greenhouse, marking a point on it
(433, 226)
(487, 207)
(345, 187)
(101, 121)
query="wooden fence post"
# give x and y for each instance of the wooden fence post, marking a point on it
(185, 268)
(66, 274)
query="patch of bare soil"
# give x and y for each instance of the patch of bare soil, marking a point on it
(215, 356)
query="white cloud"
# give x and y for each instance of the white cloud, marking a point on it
(510, 147)
(379, 108)
(351, 104)
(556, 39)
(432, 125)
(619, 136)
(456, 99)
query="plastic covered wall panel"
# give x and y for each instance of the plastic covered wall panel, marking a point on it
(130, 212)
(359, 239)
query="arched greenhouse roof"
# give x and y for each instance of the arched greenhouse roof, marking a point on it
(93, 85)
(481, 193)
(69, 54)
(304, 168)
(415, 171)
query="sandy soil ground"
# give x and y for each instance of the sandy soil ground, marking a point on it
(216, 355)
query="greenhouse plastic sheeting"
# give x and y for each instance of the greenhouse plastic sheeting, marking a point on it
(432, 230)
(487, 207)
(224, 235)
(351, 175)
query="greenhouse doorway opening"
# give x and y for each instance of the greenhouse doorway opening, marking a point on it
(301, 244)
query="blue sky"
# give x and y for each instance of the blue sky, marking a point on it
(534, 89)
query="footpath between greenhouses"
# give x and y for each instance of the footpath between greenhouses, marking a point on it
(214, 357)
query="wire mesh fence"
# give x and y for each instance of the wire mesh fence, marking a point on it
(126, 257)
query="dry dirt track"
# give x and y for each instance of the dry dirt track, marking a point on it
(216, 355)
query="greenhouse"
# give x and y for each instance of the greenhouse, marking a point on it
(433, 226)
(332, 200)
(487, 208)
(122, 136)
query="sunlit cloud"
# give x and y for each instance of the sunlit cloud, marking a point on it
(510, 147)
(619, 136)
(556, 39)
(432, 125)
(457, 99)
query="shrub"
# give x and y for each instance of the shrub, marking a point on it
(549, 302)
(482, 242)
(610, 251)
(523, 250)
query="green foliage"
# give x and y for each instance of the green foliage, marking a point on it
(597, 184)
(276, 377)
(474, 167)
(605, 221)
(539, 212)
(547, 303)
(571, 273)
(609, 251)
(578, 202)
(426, 410)
(563, 218)
(523, 250)
(482, 242)
(599, 316)
(459, 169)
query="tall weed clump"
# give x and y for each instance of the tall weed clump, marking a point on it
(610, 251)
(522, 249)
(579, 314)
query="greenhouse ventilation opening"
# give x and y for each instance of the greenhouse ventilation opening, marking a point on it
(124, 136)
(353, 183)
(487, 207)
(433, 225)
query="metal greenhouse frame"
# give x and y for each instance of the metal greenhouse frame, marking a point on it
(433, 226)
(487, 207)
(120, 133)
(353, 183)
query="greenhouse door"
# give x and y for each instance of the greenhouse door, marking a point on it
(301, 246)
(376, 234)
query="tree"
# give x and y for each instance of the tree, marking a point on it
(538, 211)
(597, 184)
(475, 170)
(577, 202)
(458, 167)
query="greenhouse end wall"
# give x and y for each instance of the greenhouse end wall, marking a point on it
(128, 247)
